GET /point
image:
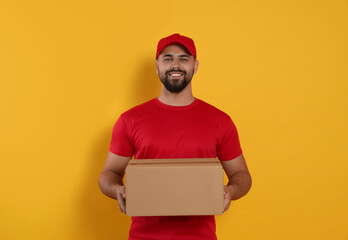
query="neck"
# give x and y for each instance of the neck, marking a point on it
(182, 98)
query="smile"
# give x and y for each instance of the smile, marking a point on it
(176, 74)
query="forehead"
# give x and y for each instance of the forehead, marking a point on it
(175, 50)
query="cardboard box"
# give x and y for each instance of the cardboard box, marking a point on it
(174, 187)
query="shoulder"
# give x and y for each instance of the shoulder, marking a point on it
(210, 109)
(141, 109)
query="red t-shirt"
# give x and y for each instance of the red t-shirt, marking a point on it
(154, 130)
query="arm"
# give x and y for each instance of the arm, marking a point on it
(239, 179)
(110, 180)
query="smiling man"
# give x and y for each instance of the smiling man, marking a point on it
(175, 125)
(175, 68)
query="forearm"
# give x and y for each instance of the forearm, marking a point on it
(109, 182)
(239, 184)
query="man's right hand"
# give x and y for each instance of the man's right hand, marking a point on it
(110, 179)
(121, 198)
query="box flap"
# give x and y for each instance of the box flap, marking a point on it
(173, 161)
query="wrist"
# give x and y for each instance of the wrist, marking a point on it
(116, 190)
(233, 189)
(119, 191)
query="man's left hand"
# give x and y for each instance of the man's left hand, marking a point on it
(227, 197)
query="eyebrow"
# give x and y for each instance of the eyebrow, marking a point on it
(171, 55)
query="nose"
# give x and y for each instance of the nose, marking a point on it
(175, 64)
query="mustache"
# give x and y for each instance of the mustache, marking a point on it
(171, 71)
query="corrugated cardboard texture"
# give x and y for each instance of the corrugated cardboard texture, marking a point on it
(169, 187)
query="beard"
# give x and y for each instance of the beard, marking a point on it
(176, 85)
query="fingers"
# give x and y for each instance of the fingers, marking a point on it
(122, 203)
(225, 189)
(227, 198)
(227, 204)
(121, 199)
(123, 191)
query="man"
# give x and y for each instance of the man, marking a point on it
(174, 125)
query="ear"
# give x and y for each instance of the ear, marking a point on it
(195, 68)
(156, 66)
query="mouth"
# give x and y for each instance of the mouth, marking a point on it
(176, 74)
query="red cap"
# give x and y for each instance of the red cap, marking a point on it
(176, 39)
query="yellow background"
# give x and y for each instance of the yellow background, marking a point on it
(68, 69)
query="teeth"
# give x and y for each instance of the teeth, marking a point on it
(175, 75)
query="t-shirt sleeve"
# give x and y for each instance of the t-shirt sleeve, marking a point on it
(229, 145)
(120, 141)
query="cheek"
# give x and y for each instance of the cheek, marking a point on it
(191, 68)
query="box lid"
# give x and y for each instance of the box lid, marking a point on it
(173, 161)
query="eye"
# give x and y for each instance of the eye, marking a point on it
(183, 59)
(167, 59)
